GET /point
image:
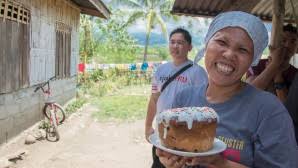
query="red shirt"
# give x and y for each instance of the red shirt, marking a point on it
(288, 74)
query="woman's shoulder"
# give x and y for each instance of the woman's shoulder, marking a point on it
(191, 90)
(259, 94)
(263, 100)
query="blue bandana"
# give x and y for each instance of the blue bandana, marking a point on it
(254, 27)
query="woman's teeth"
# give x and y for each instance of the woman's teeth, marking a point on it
(224, 68)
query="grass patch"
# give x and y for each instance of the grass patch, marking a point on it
(127, 104)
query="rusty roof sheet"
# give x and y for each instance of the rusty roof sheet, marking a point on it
(210, 8)
(93, 7)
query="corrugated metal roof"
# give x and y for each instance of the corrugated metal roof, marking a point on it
(93, 7)
(210, 8)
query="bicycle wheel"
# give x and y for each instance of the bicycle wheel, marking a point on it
(52, 131)
(60, 114)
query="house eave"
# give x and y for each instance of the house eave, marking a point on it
(93, 8)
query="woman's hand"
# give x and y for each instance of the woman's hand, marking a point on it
(212, 161)
(170, 160)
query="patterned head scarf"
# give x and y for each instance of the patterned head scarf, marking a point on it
(248, 22)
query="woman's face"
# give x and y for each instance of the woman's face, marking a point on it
(229, 53)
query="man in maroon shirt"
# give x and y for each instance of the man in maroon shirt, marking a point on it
(276, 74)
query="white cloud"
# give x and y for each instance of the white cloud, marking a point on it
(140, 26)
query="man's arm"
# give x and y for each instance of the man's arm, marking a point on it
(151, 111)
(264, 79)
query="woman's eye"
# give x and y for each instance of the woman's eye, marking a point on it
(243, 50)
(221, 42)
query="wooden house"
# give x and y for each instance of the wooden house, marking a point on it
(39, 39)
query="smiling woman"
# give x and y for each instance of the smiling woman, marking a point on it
(255, 121)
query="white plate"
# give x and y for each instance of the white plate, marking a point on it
(218, 146)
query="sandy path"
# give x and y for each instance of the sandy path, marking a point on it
(87, 143)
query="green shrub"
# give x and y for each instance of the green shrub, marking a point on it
(74, 106)
(102, 82)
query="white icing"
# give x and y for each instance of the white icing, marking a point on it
(186, 114)
(165, 130)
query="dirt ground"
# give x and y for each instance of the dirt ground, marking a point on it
(86, 143)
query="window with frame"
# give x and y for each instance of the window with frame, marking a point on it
(63, 50)
(14, 44)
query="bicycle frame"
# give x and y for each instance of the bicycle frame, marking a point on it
(47, 94)
(52, 116)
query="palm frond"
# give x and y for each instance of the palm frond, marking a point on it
(148, 3)
(134, 17)
(166, 5)
(163, 26)
(130, 3)
(150, 19)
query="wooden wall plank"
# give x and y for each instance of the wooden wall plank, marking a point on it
(24, 55)
(2, 57)
(8, 66)
(15, 56)
(60, 54)
(63, 54)
(68, 49)
(27, 57)
(69, 54)
(57, 55)
(66, 54)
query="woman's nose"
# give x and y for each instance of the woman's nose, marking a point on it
(229, 54)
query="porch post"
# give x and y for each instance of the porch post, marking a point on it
(277, 22)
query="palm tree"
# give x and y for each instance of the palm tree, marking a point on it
(87, 40)
(86, 24)
(153, 11)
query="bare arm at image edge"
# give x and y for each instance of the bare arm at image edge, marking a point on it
(263, 80)
(151, 111)
(283, 92)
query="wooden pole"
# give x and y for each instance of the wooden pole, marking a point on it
(277, 22)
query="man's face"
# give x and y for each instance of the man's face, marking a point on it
(179, 47)
(290, 43)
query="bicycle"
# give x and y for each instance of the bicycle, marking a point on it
(52, 111)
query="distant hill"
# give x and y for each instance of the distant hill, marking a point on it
(159, 39)
(155, 38)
